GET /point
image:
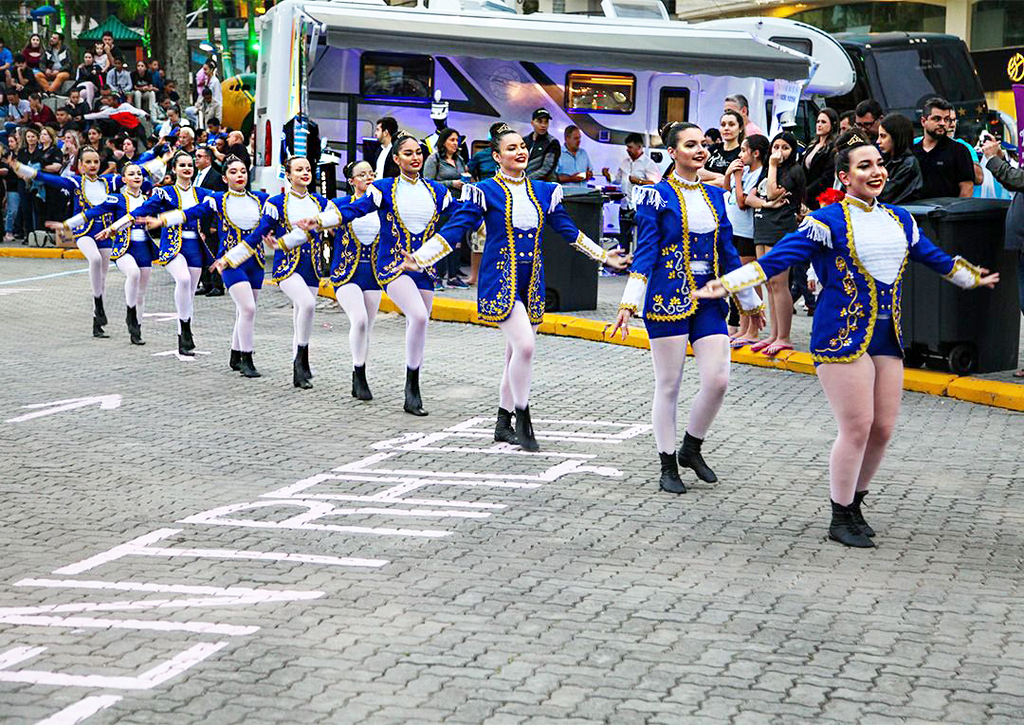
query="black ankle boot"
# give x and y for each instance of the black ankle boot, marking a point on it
(858, 517)
(670, 480)
(304, 351)
(360, 388)
(134, 328)
(524, 431)
(246, 367)
(183, 349)
(299, 377)
(845, 530)
(503, 430)
(689, 456)
(98, 311)
(186, 337)
(413, 401)
(97, 327)
(236, 360)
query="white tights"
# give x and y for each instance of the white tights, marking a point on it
(668, 354)
(303, 299)
(361, 308)
(520, 343)
(186, 279)
(865, 399)
(136, 280)
(415, 304)
(245, 316)
(99, 262)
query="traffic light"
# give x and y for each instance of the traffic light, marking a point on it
(254, 45)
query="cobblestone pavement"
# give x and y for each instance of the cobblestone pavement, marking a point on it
(220, 550)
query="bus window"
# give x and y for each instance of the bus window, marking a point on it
(909, 75)
(396, 76)
(599, 92)
(673, 105)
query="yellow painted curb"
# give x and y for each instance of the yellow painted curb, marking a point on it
(988, 392)
(927, 381)
(41, 253)
(971, 390)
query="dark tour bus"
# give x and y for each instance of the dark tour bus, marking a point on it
(902, 70)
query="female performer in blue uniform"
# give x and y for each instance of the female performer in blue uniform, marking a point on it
(131, 248)
(352, 274)
(237, 212)
(684, 239)
(181, 250)
(88, 190)
(859, 249)
(409, 208)
(511, 278)
(299, 262)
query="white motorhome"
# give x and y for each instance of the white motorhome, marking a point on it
(610, 76)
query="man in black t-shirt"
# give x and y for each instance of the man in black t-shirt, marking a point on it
(946, 166)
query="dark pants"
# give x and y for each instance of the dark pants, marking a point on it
(208, 279)
(798, 285)
(627, 225)
(451, 266)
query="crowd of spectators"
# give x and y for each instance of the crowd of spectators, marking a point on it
(52, 106)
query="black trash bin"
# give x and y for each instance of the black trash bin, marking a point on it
(965, 331)
(571, 277)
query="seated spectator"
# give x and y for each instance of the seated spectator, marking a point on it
(143, 90)
(56, 66)
(173, 121)
(22, 78)
(171, 89)
(895, 139)
(207, 107)
(39, 115)
(156, 76)
(87, 78)
(213, 129)
(103, 53)
(574, 168)
(846, 121)
(128, 151)
(18, 110)
(6, 59)
(33, 52)
(867, 116)
(65, 122)
(77, 107)
(186, 140)
(94, 139)
(119, 80)
(946, 166)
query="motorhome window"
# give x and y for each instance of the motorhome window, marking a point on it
(908, 76)
(673, 105)
(800, 45)
(397, 76)
(599, 92)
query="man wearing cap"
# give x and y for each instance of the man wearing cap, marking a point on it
(544, 150)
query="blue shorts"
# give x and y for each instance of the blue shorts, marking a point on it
(523, 272)
(364, 277)
(141, 252)
(248, 271)
(423, 280)
(305, 268)
(709, 319)
(884, 340)
(192, 251)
